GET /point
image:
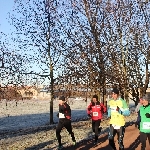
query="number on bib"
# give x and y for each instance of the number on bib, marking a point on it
(146, 125)
(95, 113)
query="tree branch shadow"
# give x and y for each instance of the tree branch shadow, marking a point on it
(135, 144)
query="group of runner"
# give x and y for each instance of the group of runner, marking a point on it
(116, 111)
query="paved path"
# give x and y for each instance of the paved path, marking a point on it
(131, 142)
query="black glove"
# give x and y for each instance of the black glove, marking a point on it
(147, 115)
(118, 109)
(89, 115)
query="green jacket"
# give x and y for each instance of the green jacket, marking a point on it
(145, 122)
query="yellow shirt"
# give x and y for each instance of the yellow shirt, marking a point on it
(117, 118)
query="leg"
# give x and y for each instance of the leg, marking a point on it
(69, 129)
(112, 133)
(97, 124)
(93, 125)
(58, 130)
(120, 134)
(143, 137)
(138, 120)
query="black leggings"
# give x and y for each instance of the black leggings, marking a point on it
(95, 127)
(143, 138)
(67, 124)
(120, 134)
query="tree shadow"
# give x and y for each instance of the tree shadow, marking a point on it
(14, 126)
(39, 146)
(22, 125)
(135, 144)
(87, 144)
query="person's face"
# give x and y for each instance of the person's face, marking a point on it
(145, 102)
(114, 96)
(141, 101)
(94, 100)
(61, 102)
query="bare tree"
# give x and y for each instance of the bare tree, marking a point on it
(94, 43)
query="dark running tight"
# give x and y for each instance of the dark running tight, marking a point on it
(120, 134)
(67, 124)
(95, 128)
(143, 138)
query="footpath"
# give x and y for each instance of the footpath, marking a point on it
(131, 142)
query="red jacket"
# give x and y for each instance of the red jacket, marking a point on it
(96, 110)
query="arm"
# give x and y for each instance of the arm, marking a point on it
(125, 111)
(67, 111)
(137, 107)
(104, 109)
(89, 109)
(61, 109)
(108, 111)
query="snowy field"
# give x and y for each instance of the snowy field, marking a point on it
(32, 113)
(29, 121)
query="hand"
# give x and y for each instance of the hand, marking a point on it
(89, 115)
(147, 115)
(108, 118)
(119, 110)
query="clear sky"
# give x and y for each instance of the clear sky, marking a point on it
(6, 6)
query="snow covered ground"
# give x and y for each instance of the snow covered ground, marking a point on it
(32, 113)
(30, 122)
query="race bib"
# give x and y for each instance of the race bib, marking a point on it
(113, 109)
(95, 113)
(61, 115)
(146, 125)
(116, 127)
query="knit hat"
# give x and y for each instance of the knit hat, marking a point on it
(146, 97)
(62, 98)
(115, 91)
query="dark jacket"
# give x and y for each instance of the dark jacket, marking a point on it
(64, 110)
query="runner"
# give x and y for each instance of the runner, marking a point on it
(95, 111)
(117, 109)
(137, 111)
(64, 121)
(145, 121)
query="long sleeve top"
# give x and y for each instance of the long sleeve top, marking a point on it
(96, 110)
(138, 107)
(117, 109)
(64, 111)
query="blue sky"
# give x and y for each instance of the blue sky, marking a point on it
(6, 6)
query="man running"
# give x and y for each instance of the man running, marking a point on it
(137, 111)
(64, 121)
(145, 121)
(117, 109)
